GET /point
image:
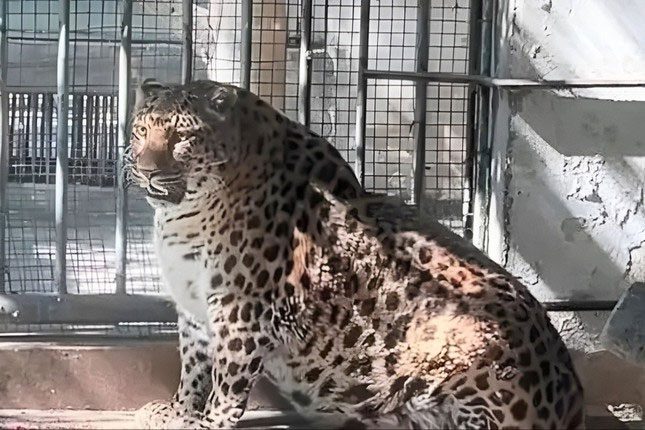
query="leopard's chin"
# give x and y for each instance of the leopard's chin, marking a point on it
(171, 196)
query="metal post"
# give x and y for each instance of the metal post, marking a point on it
(361, 91)
(123, 138)
(304, 78)
(187, 27)
(4, 139)
(245, 52)
(474, 58)
(62, 75)
(421, 95)
(481, 142)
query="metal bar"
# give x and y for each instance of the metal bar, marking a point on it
(187, 27)
(304, 66)
(4, 139)
(62, 77)
(84, 309)
(474, 66)
(46, 40)
(498, 83)
(245, 52)
(580, 305)
(361, 91)
(125, 56)
(481, 156)
(90, 309)
(421, 96)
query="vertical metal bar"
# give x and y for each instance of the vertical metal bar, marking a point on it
(62, 77)
(361, 91)
(421, 95)
(474, 66)
(245, 52)
(482, 151)
(4, 139)
(123, 118)
(187, 27)
(304, 67)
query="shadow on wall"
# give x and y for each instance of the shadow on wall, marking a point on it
(576, 205)
(574, 222)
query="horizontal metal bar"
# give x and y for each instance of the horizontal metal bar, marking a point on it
(501, 83)
(113, 41)
(580, 305)
(85, 309)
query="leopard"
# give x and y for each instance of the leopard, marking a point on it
(359, 308)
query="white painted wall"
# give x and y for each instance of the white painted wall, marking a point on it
(569, 167)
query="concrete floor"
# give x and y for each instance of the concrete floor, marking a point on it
(23, 419)
(15, 419)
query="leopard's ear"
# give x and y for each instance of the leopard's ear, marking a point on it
(148, 88)
(222, 99)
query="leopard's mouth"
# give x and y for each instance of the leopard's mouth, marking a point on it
(160, 188)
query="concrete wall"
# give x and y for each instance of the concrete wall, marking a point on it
(569, 166)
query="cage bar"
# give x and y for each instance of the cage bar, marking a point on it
(473, 123)
(246, 39)
(187, 28)
(420, 107)
(361, 91)
(85, 309)
(304, 65)
(125, 57)
(481, 156)
(62, 169)
(4, 139)
(500, 83)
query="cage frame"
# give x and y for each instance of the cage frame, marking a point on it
(37, 308)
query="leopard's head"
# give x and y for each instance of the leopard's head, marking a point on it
(181, 136)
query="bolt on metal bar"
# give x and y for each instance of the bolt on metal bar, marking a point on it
(187, 28)
(498, 83)
(246, 49)
(125, 58)
(420, 107)
(62, 170)
(304, 66)
(361, 91)
(4, 139)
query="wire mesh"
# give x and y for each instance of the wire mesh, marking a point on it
(389, 152)
(157, 52)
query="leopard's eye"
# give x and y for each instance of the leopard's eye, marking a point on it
(141, 130)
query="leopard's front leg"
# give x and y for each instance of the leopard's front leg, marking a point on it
(239, 349)
(196, 365)
(239, 343)
(195, 382)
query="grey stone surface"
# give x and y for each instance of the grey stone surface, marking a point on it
(624, 333)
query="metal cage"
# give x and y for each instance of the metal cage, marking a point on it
(402, 88)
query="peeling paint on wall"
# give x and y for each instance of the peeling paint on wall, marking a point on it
(573, 213)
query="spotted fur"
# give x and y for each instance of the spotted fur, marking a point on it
(281, 265)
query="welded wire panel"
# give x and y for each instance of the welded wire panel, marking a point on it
(32, 28)
(391, 105)
(389, 142)
(275, 53)
(447, 168)
(156, 40)
(335, 32)
(216, 39)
